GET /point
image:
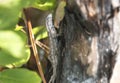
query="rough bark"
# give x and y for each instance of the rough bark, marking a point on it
(89, 42)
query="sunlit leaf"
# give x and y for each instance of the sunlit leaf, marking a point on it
(10, 10)
(13, 49)
(17, 28)
(19, 76)
(40, 32)
(45, 4)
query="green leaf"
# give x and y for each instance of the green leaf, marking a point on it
(19, 76)
(45, 4)
(13, 49)
(17, 28)
(10, 10)
(40, 32)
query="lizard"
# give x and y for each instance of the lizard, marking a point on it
(52, 33)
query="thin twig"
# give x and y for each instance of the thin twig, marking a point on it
(43, 46)
(32, 41)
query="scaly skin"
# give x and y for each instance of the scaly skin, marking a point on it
(53, 46)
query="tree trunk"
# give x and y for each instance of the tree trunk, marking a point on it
(88, 44)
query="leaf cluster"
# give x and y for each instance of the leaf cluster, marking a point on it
(14, 50)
